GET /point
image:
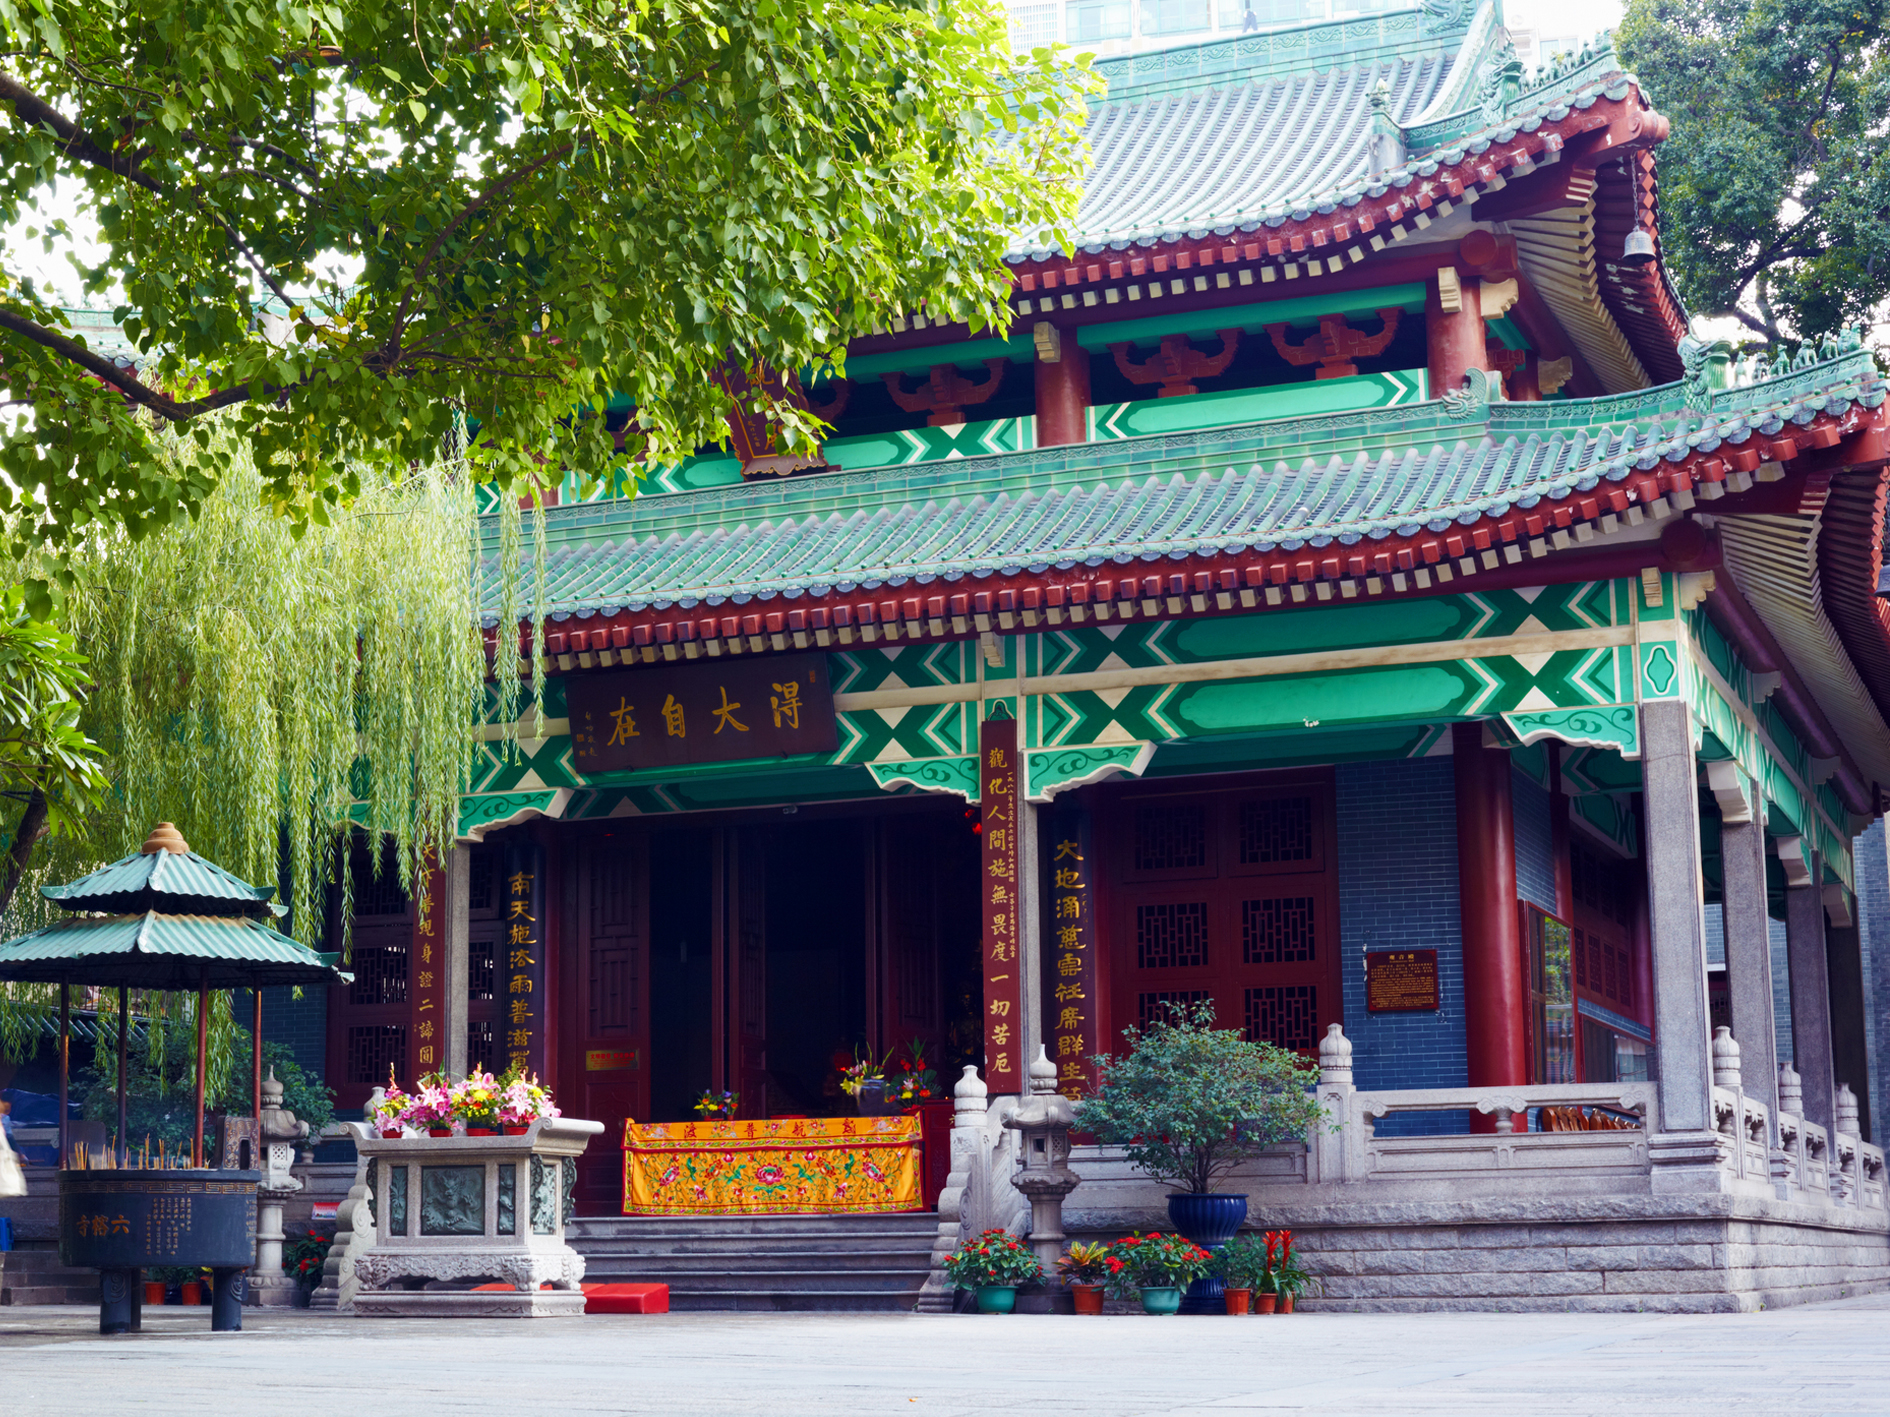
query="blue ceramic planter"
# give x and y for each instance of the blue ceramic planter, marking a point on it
(1162, 1299)
(997, 1298)
(1209, 1221)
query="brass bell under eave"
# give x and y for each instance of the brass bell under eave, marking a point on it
(1639, 249)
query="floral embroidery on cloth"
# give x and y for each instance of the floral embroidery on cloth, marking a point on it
(721, 1167)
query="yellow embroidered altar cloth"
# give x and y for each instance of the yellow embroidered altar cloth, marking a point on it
(781, 1166)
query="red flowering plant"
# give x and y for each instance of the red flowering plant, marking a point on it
(1160, 1261)
(1283, 1263)
(995, 1259)
(914, 1083)
(304, 1255)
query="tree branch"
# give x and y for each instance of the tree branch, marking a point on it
(34, 110)
(131, 387)
(32, 827)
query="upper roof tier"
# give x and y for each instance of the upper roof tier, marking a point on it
(164, 875)
(1239, 133)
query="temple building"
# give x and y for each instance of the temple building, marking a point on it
(1347, 594)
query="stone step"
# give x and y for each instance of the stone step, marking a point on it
(726, 1226)
(776, 1261)
(739, 1279)
(50, 1294)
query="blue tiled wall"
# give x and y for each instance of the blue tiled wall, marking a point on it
(302, 1024)
(1873, 929)
(1781, 992)
(1398, 890)
(1535, 848)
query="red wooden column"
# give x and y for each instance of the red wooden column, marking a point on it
(1453, 323)
(1062, 388)
(1494, 1035)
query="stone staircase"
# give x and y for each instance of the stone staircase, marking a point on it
(33, 1275)
(764, 1263)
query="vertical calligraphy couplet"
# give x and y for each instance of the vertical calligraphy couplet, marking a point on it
(1003, 933)
(519, 958)
(1070, 988)
(429, 975)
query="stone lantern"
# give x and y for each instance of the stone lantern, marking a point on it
(269, 1287)
(1043, 1122)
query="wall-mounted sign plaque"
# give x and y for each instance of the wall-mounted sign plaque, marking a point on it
(667, 717)
(1401, 981)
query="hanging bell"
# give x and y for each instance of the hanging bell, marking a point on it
(1639, 249)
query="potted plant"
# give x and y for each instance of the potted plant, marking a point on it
(194, 1289)
(717, 1104)
(1085, 1268)
(1188, 1103)
(1289, 1279)
(302, 1259)
(865, 1083)
(993, 1265)
(1158, 1267)
(522, 1101)
(475, 1102)
(1245, 1267)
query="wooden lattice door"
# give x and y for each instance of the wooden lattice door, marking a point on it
(910, 1005)
(1228, 896)
(609, 1029)
(747, 877)
(371, 1028)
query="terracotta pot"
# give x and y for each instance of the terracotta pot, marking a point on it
(391, 1133)
(193, 1292)
(1286, 1303)
(1236, 1300)
(439, 1131)
(512, 1131)
(482, 1131)
(1263, 1303)
(1088, 1298)
(154, 1292)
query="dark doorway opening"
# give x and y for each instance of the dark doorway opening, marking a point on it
(816, 961)
(681, 939)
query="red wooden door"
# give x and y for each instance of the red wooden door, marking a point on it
(371, 1027)
(607, 1032)
(1229, 896)
(910, 1005)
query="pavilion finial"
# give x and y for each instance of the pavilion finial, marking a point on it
(164, 837)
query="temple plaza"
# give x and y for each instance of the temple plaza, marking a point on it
(1823, 1360)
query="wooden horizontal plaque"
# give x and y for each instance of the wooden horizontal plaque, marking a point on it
(602, 1060)
(773, 707)
(1401, 981)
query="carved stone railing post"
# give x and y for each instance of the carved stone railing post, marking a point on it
(969, 1099)
(1332, 1137)
(1725, 1058)
(1845, 1188)
(354, 1228)
(1791, 1091)
(1788, 1162)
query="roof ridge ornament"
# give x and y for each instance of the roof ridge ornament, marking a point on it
(165, 837)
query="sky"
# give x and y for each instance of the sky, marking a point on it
(1560, 17)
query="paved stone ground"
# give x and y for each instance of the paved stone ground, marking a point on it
(1817, 1359)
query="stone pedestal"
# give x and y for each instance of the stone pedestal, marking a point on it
(454, 1213)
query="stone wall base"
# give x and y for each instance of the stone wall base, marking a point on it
(1665, 1254)
(468, 1303)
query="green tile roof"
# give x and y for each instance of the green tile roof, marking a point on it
(161, 951)
(181, 882)
(1263, 487)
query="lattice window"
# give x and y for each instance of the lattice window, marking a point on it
(1275, 830)
(373, 1049)
(1171, 936)
(377, 893)
(1603, 886)
(1578, 951)
(1627, 980)
(1286, 1015)
(1278, 931)
(1594, 961)
(380, 973)
(1153, 1008)
(613, 893)
(481, 876)
(1609, 974)
(479, 1045)
(480, 978)
(1170, 838)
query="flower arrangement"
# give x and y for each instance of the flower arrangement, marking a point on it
(995, 1259)
(303, 1257)
(475, 1101)
(717, 1104)
(431, 1107)
(916, 1082)
(523, 1099)
(390, 1113)
(1160, 1261)
(1084, 1263)
(863, 1070)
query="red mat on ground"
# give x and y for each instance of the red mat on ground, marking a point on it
(613, 1298)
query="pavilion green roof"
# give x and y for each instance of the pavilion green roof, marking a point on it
(154, 950)
(167, 880)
